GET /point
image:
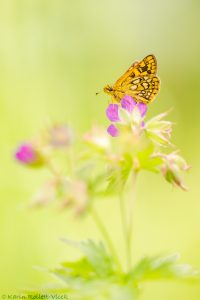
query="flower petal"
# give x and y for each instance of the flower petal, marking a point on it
(142, 108)
(98, 138)
(112, 130)
(26, 154)
(112, 112)
(128, 103)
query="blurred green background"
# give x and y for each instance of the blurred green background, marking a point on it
(54, 57)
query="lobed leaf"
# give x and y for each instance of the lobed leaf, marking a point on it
(96, 256)
(155, 268)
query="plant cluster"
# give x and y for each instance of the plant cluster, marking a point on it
(104, 164)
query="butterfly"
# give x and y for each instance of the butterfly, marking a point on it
(139, 81)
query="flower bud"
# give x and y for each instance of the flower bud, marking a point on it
(60, 136)
(97, 138)
(159, 130)
(28, 154)
(172, 168)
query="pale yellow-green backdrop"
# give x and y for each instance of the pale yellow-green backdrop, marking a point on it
(54, 56)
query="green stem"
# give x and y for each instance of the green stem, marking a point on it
(130, 219)
(53, 169)
(126, 210)
(124, 226)
(106, 236)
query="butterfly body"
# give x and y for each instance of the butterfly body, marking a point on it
(139, 81)
(116, 94)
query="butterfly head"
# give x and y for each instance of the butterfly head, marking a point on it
(116, 95)
(108, 89)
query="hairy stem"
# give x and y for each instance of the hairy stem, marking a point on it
(126, 210)
(131, 203)
(124, 226)
(53, 168)
(106, 236)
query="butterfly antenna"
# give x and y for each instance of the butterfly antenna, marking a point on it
(98, 93)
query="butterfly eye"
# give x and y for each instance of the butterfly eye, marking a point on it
(109, 88)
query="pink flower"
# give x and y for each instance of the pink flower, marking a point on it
(28, 155)
(60, 136)
(112, 112)
(128, 103)
(112, 130)
(134, 113)
(173, 167)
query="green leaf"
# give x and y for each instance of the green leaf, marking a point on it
(93, 276)
(96, 255)
(81, 282)
(86, 279)
(154, 268)
(100, 289)
(78, 268)
(147, 161)
(117, 291)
